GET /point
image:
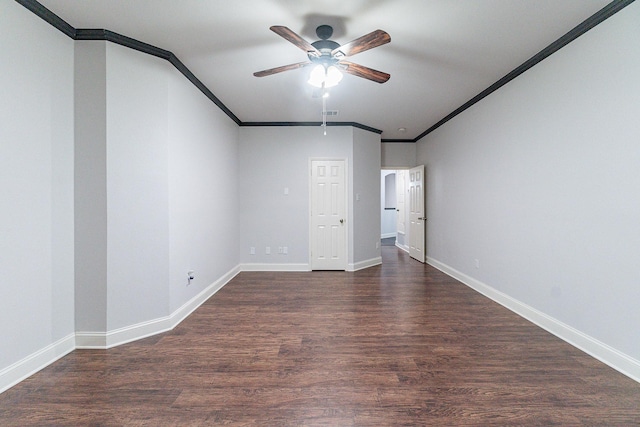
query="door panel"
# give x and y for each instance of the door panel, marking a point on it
(417, 215)
(328, 215)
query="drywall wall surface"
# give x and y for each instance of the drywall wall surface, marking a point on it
(534, 190)
(166, 196)
(274, 191)
(137, 187)
(203, 191)
(90, 187)
(398, 155)
(36, 184)
(273, 176)
(366, 198)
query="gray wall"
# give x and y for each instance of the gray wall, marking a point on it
(275, 158)
(90, 175)
(36, 186)
(540, 183)
(366, 197)
(203, 191)
(400, 155)
(137, 187)
(117, 175)
(165, 199)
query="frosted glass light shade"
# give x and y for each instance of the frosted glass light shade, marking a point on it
(333, 77)
(328, 77)
(316, 78)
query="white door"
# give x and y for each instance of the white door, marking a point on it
(328, 215)
(417, 215)
(400, 204)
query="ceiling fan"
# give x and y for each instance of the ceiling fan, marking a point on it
(328, 56)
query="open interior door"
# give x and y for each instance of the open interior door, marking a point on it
(417, 214)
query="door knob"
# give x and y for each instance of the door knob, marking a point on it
(341, 221)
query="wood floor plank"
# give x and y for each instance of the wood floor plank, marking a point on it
(397, 344)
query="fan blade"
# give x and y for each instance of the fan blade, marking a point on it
(366, 42)
(364, 72)
(276, 70)
(292, 37)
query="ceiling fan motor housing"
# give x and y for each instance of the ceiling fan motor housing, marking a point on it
(324, 32)
(324, 45)
(330, 54)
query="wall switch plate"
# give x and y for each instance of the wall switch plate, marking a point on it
(252, 250)
(286, 191)
(267, 250)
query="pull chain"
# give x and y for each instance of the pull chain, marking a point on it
(324, 113)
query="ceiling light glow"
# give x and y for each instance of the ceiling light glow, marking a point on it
(334, 76)
(326, 77)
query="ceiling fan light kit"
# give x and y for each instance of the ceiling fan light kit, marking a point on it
(330, 55)
(323, 76)
(327, 56)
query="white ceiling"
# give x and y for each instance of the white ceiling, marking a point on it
(442, 52)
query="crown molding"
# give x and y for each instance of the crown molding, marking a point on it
(100, 34)
(391, 140)
(312, 124)
(595, 19)
(48, 16)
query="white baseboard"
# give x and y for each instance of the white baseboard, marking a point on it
(274, 267)
(105, 340)
(403, 247)
(91, 340)
(305, 267)
(597, 349)
(102, 340)
(364, 264)
(22, 369)
(190, 306)
(387, 235)
(31, 364)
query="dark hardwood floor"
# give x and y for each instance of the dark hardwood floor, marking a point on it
(398, 344)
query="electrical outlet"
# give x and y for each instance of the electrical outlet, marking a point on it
(189, 277)
(252, 250)
(267, 250)
(377, 245)
(477, 263)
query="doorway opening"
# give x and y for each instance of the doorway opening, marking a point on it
(393, 215)
(403, 210)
